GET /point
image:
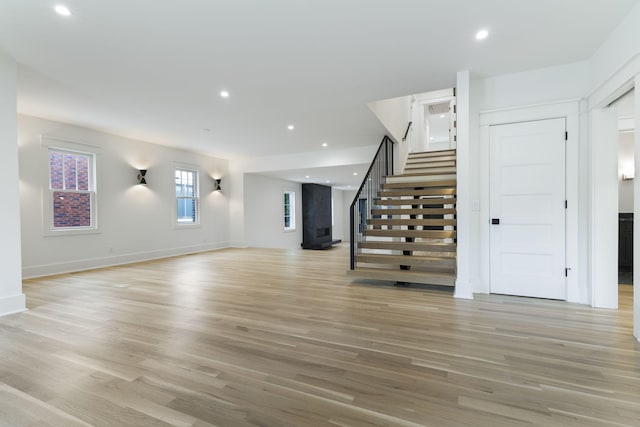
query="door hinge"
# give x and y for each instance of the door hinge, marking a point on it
(566, 204)
(566, 136)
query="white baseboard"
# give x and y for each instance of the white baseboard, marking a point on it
(463, 290)
(239, 244)
(12, 304)
(29, 272)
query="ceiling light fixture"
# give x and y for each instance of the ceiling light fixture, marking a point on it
(224, 94)
(355, 174)
(290, 127)
(482, 34)
(307, 176)
(324, 144)
(62, 10)
(442, 116)
(328, 181)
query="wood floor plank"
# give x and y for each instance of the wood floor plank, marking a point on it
(259, 337)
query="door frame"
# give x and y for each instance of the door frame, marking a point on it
(570, 111)
(625, 78)
(557, 145)
(418, 104)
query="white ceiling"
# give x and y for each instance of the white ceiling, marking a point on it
(152, 69)
(340, 177)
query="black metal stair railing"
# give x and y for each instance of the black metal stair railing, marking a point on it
(381, 166)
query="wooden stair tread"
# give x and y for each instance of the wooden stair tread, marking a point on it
(409, 246)
(426, 173)
(448, 152)
(431, 164)
(397, 275)
(421, 184)
(416, 202)
(443, 157)
(418, 222)
(427, 234)
(401, 179)
(399, 192)
(412, 260)
(411, 211)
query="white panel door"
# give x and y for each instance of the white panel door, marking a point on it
(527, 208)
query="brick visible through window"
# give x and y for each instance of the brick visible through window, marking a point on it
(71, 188)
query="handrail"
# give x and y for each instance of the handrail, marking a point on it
(404, 138)
(381, 166)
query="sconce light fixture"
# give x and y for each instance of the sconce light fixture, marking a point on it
(141, 176)
(216, 184)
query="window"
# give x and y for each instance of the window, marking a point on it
(72, 190)
(187, 196)
(289, 210)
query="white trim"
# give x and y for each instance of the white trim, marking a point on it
(101, 262)
(12, 305)
(462, 290)
(48, 141)
(570, 110)
(177, 225)
(49, 144)
(617, 84)
(292, 210)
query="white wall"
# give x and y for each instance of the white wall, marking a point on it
(509, 92)
(540, 86)
(264, 210)
(239, 169)
(347, 199)
(394, 114)
(11, 297)
(338, 214)
(625, 162)
(135, 222)
(621, 48)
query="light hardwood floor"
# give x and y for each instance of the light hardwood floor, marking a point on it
(283, 338)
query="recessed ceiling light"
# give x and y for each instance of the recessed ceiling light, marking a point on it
(324, 144)
(224, 94)
(328, 181)
(290, 127)
(307, 176)
(62, 10)
(355, 174)
(482, 34)
(442, 116)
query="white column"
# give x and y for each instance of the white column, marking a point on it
(604, 208)
(636, 214)
(236, 206)
(11, 297)
(463, 208)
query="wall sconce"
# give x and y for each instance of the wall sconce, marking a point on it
(141, 176)
(628, 171)
(216, 184)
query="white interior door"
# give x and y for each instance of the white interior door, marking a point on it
(527, 207)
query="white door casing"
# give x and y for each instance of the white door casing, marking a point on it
(527, 196)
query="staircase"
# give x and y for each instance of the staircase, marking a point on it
(409, 234)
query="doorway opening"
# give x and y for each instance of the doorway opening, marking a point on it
(626, 177)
